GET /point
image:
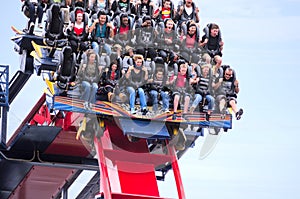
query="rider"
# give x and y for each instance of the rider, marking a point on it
(158, 86)
(213, 44)
(227, 92)
(101, 30)
(137, 75)
(89, 75)
(181, 87)
(203, 90)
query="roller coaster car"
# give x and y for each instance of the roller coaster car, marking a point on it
(144, 126)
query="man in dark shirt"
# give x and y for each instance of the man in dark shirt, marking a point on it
(213, 44)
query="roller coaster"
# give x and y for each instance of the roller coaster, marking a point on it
(60, 137)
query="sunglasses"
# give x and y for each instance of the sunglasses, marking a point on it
(228, 74)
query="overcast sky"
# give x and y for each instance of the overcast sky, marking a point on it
(259, 157)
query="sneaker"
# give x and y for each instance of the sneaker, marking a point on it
(123, 97)
(86, 105)
(144, 111)
(239, 114)
(133, 111)
(174, 116)
(31, 28)
(207, 116)
(167, 111)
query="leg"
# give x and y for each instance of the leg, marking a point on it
(197, 100)
(165, 99)
(222, 103)
(95, 46)
(238, 113)
(86, 88)
(154, 94)
(93, 91)
(186, 103)
(40, 13)
(131, 92)
(31, 12)
(211, 103)
(107, 49)
(142, 98)
(176, 101)
(233, 105)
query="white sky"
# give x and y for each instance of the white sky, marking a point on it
(260, 157)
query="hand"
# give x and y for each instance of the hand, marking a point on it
(236, 83)
(180, 10)
(130, 68)
(220, 80)
(197, 10)
(72, 83)
(144, 69)
(109, 25)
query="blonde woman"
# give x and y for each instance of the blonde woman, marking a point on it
(89, 75)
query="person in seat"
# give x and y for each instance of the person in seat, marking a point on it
(167, 39)
(181, 87)
(164, 11)
(226, 93)
(187, 10)
(101, 30)
(78, 33)
(203, 90)
(143, 8)
(137, 76)
(159, 88)
(190, 41)
(109, 80)
(33, 9)
(88, 76)
(213, 44)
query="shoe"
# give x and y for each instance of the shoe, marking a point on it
(86, 105)
(174, 116)
(167, 111)
(133, 111)
(122, 97)
(239, 114)
(144, 111)
(110, 96)
(207, 116)
(31, 28)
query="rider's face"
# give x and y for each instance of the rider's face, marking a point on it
(139, 62)
(102, 19)
(79, 17)
(214, 32)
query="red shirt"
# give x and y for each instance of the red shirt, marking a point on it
(78, 29)
(180, 81)
(165, 13)
(190, 41)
